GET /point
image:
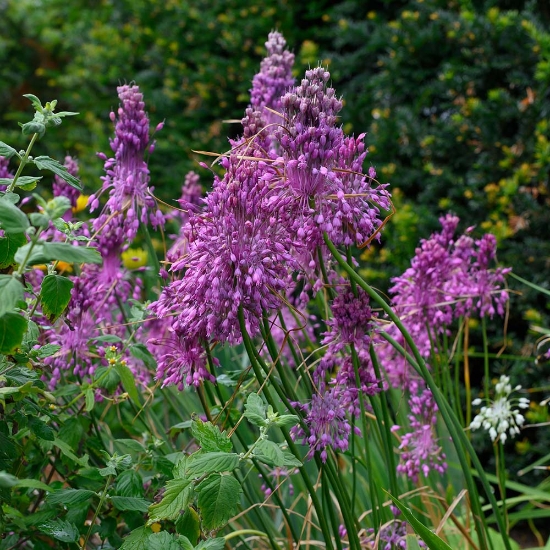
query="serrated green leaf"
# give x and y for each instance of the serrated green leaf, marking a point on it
(219, 496)
(65, 252)
(131, 444)
(162, 541)
(270, 453)
(12, 329)
(211, 544)
(429, 537)
(140, 351)
(41, 429)
(6, 150)
(131, 504)
(255, 410)
(128, 383)
(129, 484)
(12, 219)
(70, 497)
(66, 450)
(178, 495)
(8, 247)
(189, 525)
(137, 539)
(209, 437)
(215, 462)
(47, 163)
(11, 292)
(47, 350)
(89, 397)
(60, 529)
(55, 294)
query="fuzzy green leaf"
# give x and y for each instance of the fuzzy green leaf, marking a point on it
(178, 495)
(70, 497)
(211, 544)
(11, 292)
(163, 541)
(210, 463)
(270, 453)
(6, 151)
(55, 294)
(41, 429)
(59, 529)
(8, 247)
(47, 163)
(255, 410)
(209, 437)
(219, 496)
(12, 219)
(137, 539)
(129, 484)
(12, 329)
(132, 504)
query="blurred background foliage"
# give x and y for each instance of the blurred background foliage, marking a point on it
(453, 94)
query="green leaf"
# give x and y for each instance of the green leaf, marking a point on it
(47, 163)
(137, 539)
(140, 351)
(128, 383)
(8, 247)
(55, 294)
(7, 480)
(209, 437)
(60, 530)
(211, 544)
(210, 463)
(7, 151)
(65, 252)
(219, 496)
(429, 537)
(12, 219)
(27, 183)
(129, 484)
(32, 484)
(162, 541)
(189, 525)
(286, 420)
(12, 329)
(89, 397)
(178, 495)
(270, 453)
(66, 450)
(47, 350)
(70, 497)
(41, 429)
(132, 504)
(131, 444)
(11, 292)
(255, 410)
(291, 460)
(185, 543)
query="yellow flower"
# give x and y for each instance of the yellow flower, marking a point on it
(81, 203)
(134, 258)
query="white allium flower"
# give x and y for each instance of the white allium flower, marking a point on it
(500, 418)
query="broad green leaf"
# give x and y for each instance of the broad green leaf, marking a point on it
(12, 329)
(209, 437)
(129, 484)
(41, 429)
(27, 183)
(189, 525)
(89, 397)
(55, 294)
(60, 529)
(11, 292)
(7, 480)
(162, 541)
(6, 150)
(211, 544)
(178, 495)
(12, 219)
(128, 383)
(140, 351)
(291, 460)
(286, 420)
(47, 350)
(137, 539)
(219, 496)
(185, 543)
(8, 247)
(47, 163)
(270, 453)
(131, 444)
(429, 537)
(65, 252)
(70, 497)
(132, 504)
(32, 484)
(412, 542)
(66, 450)
(255, 410)
(215, 462)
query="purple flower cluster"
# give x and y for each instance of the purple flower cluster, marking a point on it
(5, 171)
(61, 188)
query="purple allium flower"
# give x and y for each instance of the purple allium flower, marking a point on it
(327, 421)
(61, 188)
(323, 169)
(420, 451)
(127, 174)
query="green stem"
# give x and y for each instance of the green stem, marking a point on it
(453, 425)
(22, 164)
(96, 512)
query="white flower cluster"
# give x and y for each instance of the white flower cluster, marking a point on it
(500, 418)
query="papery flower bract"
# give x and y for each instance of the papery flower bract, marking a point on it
(500, 419)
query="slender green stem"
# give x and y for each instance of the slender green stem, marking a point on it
(22, 164)
(453, 425)
(102, 499)
(486, 376)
